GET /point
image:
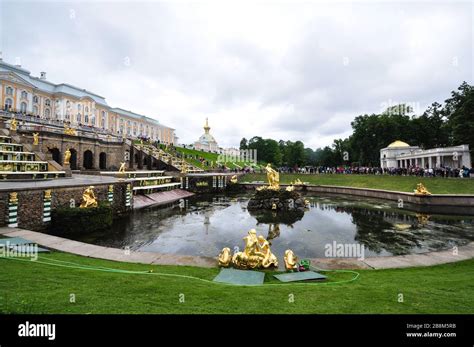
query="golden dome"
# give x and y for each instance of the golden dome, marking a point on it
(398, 143)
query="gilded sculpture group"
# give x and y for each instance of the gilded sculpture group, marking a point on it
(256, 254)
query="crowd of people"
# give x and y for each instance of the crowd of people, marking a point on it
(443, 171)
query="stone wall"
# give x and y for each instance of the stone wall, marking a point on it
(30, 203)
(460, 204)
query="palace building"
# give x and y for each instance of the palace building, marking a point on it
(36, 96)
(400, 154)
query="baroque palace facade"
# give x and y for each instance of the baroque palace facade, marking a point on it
(36, 96)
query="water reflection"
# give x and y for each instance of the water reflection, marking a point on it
(204, 225)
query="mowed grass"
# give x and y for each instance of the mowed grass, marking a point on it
(31, 287)
(397, 183)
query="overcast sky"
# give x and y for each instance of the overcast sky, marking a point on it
(284, 70)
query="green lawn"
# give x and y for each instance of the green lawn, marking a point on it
(211, 157)
(30, 287)
(398, 183)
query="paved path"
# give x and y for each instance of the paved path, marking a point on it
(115, 254)
(93, 251)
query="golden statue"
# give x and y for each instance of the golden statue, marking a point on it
(291, 261)
(67, 157)
(89, 199)
(47, 194)
(421, 190)
(273, 177)
(184, 168)
(35, 139)
(69, 131)
(225, 257)
(257, 254)
(297, 182)
(290, 188)
(122, 167)
(13, 198)
(269, 258)
(422, 218)
(13, 124)
(274, 206)
(233, 179)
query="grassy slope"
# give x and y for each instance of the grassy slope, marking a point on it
(398, 183)
(28, 287)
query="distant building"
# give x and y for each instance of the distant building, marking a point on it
(206, 142)
(400, 154)
(22, 92)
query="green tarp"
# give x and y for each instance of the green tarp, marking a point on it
(240, 277)
(299, 276)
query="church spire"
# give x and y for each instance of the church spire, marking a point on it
(207, 127)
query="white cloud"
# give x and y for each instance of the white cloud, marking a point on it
(287, 70)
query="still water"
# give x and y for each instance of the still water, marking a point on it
(206, 224)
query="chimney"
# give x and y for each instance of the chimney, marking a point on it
(43, 75)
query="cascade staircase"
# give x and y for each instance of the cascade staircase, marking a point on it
(19, 162)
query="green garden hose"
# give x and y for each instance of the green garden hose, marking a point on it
(71, 265)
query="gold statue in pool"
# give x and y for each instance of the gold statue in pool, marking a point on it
(257, 254)
(421, 190)
(88, 198)
(233, 179)
(273, 177)
(291, 261)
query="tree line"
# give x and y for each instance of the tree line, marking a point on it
(440, 125)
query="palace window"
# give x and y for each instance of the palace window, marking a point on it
(86, 119)
(103, 122)
(24, 95)
(68, 105)
(9, 91)
(23, 107)
(93, 120)
(47, 113)
(86, 109)
(47, 102)
(35, 110)
(8, 104)
(35, 99)
(78, 118)
(79, 107)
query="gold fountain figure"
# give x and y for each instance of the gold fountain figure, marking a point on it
(421, 190)
(67, 157)
(273, 177)
(233, 179)
(257, 254)
(291, 261)
(269, 258)
(89, 199)
(13, 124)
(225, 257)
(35, 139)
(122, 168)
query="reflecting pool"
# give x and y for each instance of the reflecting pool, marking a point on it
(203, 225)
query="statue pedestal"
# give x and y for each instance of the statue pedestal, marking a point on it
(67, 169)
